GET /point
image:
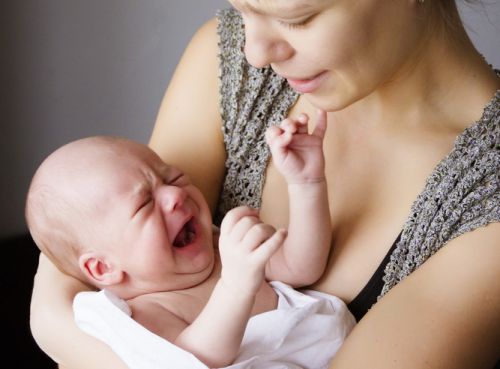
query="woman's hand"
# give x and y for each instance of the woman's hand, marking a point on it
(52, 323)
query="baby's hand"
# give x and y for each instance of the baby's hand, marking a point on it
(246, 244)
(297, 154)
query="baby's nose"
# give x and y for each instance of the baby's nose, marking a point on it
(170, 197)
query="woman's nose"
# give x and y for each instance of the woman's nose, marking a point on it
(263, 46)
(170, 197)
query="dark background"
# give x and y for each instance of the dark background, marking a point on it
(20, 259)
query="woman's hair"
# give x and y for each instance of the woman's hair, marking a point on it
(445, 14)
(442, 19)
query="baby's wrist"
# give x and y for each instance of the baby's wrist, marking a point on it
(236, 290)
(306, 183)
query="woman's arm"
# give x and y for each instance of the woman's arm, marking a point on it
(54, 328)
(188, 131)
(444, 315)
(186, 134)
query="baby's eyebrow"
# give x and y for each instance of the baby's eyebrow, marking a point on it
(140, 189)
(144, 186)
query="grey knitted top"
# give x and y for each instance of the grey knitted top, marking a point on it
(461, 194)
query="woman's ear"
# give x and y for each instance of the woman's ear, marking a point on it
(99, 270)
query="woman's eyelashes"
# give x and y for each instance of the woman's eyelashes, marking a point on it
(294, 24)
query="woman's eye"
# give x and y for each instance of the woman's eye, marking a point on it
(297, 24)
(292, 25)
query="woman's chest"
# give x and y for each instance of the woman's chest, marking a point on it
(373, 178)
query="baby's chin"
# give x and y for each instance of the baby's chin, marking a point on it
(203, 275)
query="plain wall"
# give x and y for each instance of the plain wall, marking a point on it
(75, 68)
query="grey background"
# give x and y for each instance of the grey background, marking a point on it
(75, 68)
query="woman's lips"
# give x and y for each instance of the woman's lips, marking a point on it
(308, 85)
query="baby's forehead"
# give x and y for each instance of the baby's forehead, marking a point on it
(115, 161)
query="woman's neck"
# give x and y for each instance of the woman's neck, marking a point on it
(444, 84)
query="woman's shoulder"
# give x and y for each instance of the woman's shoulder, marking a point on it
(451, 303)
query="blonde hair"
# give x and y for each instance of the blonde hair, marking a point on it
(445, 15)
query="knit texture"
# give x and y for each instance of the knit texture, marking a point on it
(460, 195)
(252, 100)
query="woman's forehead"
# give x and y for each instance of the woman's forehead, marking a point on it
(275, 6)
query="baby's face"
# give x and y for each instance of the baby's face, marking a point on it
(152, 219)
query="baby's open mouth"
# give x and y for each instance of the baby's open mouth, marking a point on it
(186, 235)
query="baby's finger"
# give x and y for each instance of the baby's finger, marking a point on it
(289, 125)
(257, 235)
(245, 225)
(320, 127)
(303, 118)
(234, 216)
(278, 139)
(268, 248)
(302, 123)
(272, 133)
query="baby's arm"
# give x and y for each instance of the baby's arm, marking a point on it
(245, 244)
(298, 155)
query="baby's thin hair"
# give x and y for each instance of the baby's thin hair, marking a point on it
(59, 221)
(46, 215)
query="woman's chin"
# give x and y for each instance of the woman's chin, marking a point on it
(330, 101)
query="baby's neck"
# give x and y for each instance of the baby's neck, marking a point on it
(205, 287)
(186, 303)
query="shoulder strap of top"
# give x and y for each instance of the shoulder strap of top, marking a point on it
(462, 194)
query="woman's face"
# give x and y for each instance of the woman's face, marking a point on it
(333, 51)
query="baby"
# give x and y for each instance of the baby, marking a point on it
(110, 212)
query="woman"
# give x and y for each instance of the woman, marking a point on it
(400, 80)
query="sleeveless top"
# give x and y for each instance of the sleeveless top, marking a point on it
(461, 194)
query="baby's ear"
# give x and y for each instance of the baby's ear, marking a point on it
(99, 270)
